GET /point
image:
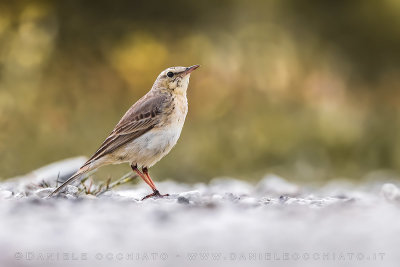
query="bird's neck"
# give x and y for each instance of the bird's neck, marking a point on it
(181, 103)
(180, 92)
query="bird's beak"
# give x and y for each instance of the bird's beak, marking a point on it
(189, 70)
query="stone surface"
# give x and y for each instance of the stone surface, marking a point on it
(224, 223)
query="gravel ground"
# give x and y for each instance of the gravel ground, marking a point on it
(226, 222)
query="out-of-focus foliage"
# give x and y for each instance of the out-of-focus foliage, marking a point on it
(307, 89)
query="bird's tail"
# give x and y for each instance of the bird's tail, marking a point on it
(73, 178)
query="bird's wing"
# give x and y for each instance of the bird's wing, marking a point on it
(139, 119)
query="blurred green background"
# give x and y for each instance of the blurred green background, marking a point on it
(309, 90)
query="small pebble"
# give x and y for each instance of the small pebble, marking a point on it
(71, 189)
(183, 200)
(390, 192)
(283, 198)
(190, 194)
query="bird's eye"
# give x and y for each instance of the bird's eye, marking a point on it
(170, 74)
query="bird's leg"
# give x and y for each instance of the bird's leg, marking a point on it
(145, 179)
(155, 193)
(145, 171)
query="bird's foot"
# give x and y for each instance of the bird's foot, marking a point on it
(156, 194)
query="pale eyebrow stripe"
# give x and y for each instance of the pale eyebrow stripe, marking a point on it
(174, 72)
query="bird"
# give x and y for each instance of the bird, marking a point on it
(147, 132)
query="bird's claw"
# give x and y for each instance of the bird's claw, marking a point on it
(156, 194)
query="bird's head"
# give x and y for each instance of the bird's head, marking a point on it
(175, 79)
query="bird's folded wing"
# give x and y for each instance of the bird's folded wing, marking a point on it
(139, 119)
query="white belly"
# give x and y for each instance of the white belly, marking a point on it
(152, 146)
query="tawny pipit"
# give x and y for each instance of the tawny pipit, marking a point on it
(148, 130)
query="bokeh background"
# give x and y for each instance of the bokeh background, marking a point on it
(309, 90)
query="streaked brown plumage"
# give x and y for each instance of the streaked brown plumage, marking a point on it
(148, 130)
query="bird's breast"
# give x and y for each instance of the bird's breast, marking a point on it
(156, 143)
(153, 145)
(176, 113)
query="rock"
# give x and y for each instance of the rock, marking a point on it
(4, 194)
(60, 170)
(390, 192)
(251, 201)
(226, 214)
(183, 200)
(72, 190)
(190, 195)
